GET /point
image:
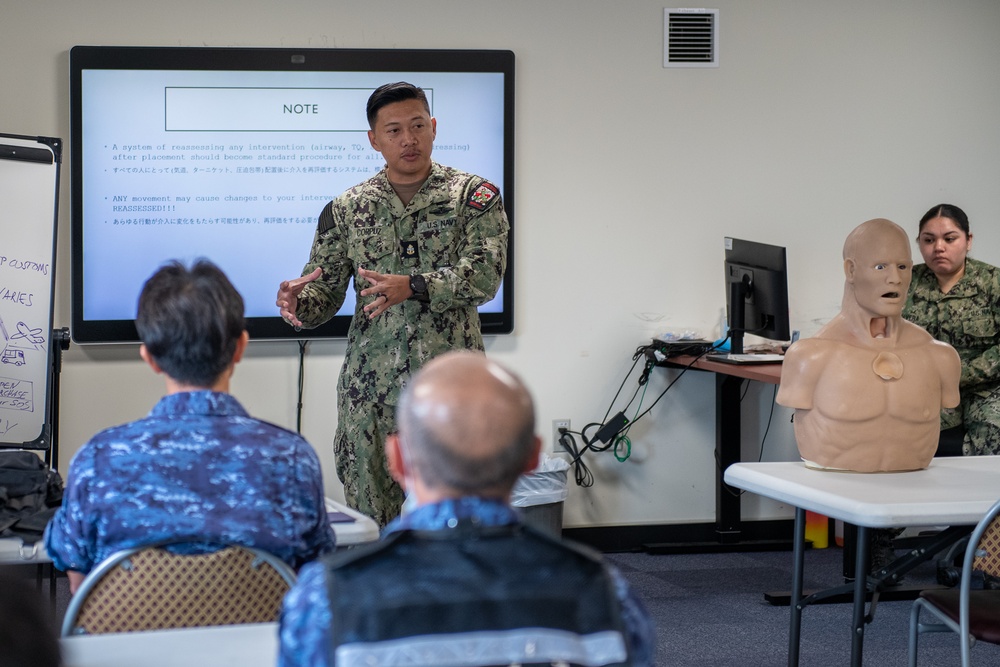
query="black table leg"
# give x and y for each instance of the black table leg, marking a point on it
(795, 603)
(860, 591)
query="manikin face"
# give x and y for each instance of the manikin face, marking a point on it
(944, 246)
(880, 273)
(404, 134)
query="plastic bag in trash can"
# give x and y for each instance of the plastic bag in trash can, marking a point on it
(546, 484)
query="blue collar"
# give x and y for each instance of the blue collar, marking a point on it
(438, 516)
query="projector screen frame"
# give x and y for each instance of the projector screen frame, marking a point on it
(268, 59)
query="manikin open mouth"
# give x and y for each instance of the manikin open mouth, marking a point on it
(891, 295)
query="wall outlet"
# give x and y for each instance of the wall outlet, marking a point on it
(558, 424)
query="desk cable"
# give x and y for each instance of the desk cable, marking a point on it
(301, 388)
(613, 433)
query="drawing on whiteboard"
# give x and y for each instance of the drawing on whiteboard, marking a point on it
(10, 356)
(16, 394)
(25, 339)
(31, 335)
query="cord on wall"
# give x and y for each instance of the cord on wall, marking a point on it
(302, 377)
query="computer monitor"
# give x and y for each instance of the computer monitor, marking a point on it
(756, 292)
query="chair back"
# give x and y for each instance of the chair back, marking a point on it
(986, 558)
(149, 588)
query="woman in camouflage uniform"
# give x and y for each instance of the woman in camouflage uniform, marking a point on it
(957, 299)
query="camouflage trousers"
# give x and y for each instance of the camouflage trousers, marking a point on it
(981, 415)
(359, 449)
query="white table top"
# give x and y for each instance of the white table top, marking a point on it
(362, 529)
(951, 491)
(218, 646)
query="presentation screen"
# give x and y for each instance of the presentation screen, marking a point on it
(231, 153)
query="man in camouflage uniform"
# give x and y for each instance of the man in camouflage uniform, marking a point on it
(198, 468)
(426, 245)
(968, 318)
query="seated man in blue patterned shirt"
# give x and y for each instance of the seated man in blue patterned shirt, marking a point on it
(198, 468)
(459, 580)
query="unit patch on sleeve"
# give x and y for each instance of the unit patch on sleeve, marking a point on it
(483, 196)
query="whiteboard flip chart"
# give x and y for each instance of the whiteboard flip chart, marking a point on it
(29, 187)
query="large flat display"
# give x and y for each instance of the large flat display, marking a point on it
(231, 153)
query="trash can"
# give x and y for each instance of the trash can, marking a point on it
(538, 496)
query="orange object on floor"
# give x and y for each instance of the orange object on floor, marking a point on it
(818, 530)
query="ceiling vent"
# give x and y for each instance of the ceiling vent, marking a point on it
(690, 37)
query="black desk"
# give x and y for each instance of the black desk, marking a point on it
(729, 529)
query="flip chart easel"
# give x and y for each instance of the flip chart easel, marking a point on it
(29, 203)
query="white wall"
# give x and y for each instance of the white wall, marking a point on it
(822, 114)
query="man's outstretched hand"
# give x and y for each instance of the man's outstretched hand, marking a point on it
(288, 296)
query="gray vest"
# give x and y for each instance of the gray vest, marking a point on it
(473, 596)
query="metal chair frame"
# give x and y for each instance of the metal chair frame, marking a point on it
(945, 623)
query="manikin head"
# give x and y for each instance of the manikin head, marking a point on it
(878, 269)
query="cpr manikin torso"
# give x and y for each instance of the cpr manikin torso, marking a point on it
(868, 388)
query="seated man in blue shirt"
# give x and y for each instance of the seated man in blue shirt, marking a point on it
(198, 468)
(459, 580)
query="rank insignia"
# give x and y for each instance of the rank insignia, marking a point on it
(483, 195)
(409, 249)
